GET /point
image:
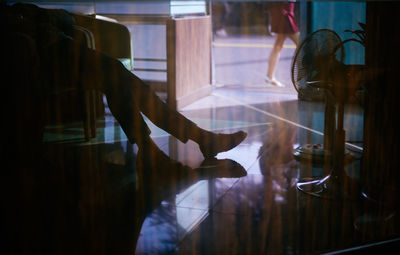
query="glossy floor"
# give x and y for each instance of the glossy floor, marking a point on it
(262, 212)
(95, 197)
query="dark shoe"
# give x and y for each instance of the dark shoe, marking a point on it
(216, 143)
(220, 168)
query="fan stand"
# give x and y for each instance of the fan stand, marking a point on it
(320, 153)
(328, 47)
(337, 184)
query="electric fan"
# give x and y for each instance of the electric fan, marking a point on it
(313, 62)
(318, 65)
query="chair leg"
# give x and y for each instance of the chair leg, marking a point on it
(89, 115)
(86, 115)
(86, 130)
(92, 113)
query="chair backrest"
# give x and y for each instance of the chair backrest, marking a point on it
(111, 38)
(86, 35)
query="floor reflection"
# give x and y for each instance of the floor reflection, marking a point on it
(97, 199)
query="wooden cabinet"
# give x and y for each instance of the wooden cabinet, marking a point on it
(188, 60)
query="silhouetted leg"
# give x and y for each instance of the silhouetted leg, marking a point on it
(177, 124)
(160, 113)
(127, 96)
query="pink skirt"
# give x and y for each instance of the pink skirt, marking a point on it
(283, 20)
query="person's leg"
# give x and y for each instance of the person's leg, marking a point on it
(274, 56)
(128, 95)
(178, 125)
(295, 38)
(120, 81)
(160, 113)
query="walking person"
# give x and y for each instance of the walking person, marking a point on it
(284, 25)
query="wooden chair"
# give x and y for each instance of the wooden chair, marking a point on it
(110, 38)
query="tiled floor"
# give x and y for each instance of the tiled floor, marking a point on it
(260, 213)
(98, 201)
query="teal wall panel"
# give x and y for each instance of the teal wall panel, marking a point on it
(341, 16)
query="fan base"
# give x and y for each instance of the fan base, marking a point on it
(330, 187)
(317, 154)
(314, 152)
